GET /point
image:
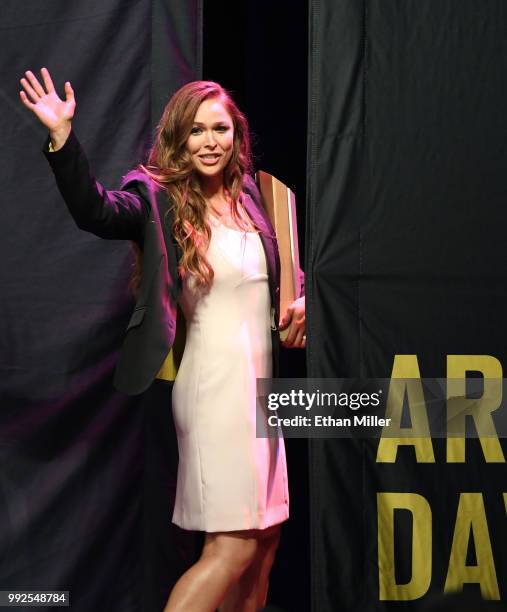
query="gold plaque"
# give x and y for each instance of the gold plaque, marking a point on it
(280, 204)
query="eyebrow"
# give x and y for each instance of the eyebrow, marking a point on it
(225, 122)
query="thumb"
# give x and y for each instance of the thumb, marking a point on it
(286, 319)
(69, 92)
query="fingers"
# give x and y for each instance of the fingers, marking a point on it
(35, 83)
(295, 335)
(29, 90)
(33, 87)
(291, 336)
(300, 340)
(284, 323)
(48, 81)
(25, 100)
(69, 92)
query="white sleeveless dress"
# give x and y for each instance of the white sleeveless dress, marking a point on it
(228, 479)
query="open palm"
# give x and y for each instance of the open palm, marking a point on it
(51, 110)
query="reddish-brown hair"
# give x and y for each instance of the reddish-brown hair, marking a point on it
(170, 165)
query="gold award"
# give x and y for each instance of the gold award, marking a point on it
(280, 204)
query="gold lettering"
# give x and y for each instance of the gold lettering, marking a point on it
(471, 522)
(421, 546)
(406, 378)
(459, 406)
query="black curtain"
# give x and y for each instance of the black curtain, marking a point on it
(405, 256)
(87, 474)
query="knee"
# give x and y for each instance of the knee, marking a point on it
(272, 540)
(236, 555)
(239, 557)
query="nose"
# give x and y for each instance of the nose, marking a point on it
(210, 139)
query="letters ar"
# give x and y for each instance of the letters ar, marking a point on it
(471, 526)
(406, 380)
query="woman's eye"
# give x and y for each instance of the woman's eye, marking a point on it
(222, 128)
(195, 130)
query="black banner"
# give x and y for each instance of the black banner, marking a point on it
(406, 279)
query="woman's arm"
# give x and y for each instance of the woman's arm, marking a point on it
(108, 214)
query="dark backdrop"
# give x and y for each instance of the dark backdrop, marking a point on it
(404, 241)
(406, 255)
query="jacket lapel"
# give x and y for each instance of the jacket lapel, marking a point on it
(166, 220)
(268, 239)
(258, 216)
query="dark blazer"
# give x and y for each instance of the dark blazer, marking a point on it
(140, 212)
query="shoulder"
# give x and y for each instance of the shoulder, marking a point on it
(139, 181)
(151, 193)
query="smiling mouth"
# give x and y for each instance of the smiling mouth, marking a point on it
(210, 160)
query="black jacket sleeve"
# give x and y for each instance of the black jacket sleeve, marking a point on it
(301, 282)
(117, 215)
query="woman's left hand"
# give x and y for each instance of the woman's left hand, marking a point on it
(295, 320)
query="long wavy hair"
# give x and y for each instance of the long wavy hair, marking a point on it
(170, 165)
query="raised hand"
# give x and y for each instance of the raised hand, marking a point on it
(53, 112)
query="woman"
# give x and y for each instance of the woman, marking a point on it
(187, 205)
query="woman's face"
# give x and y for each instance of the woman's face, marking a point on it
(211, 139)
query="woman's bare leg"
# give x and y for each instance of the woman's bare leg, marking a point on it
(224, 558)
(269, 552)
(250, 592)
